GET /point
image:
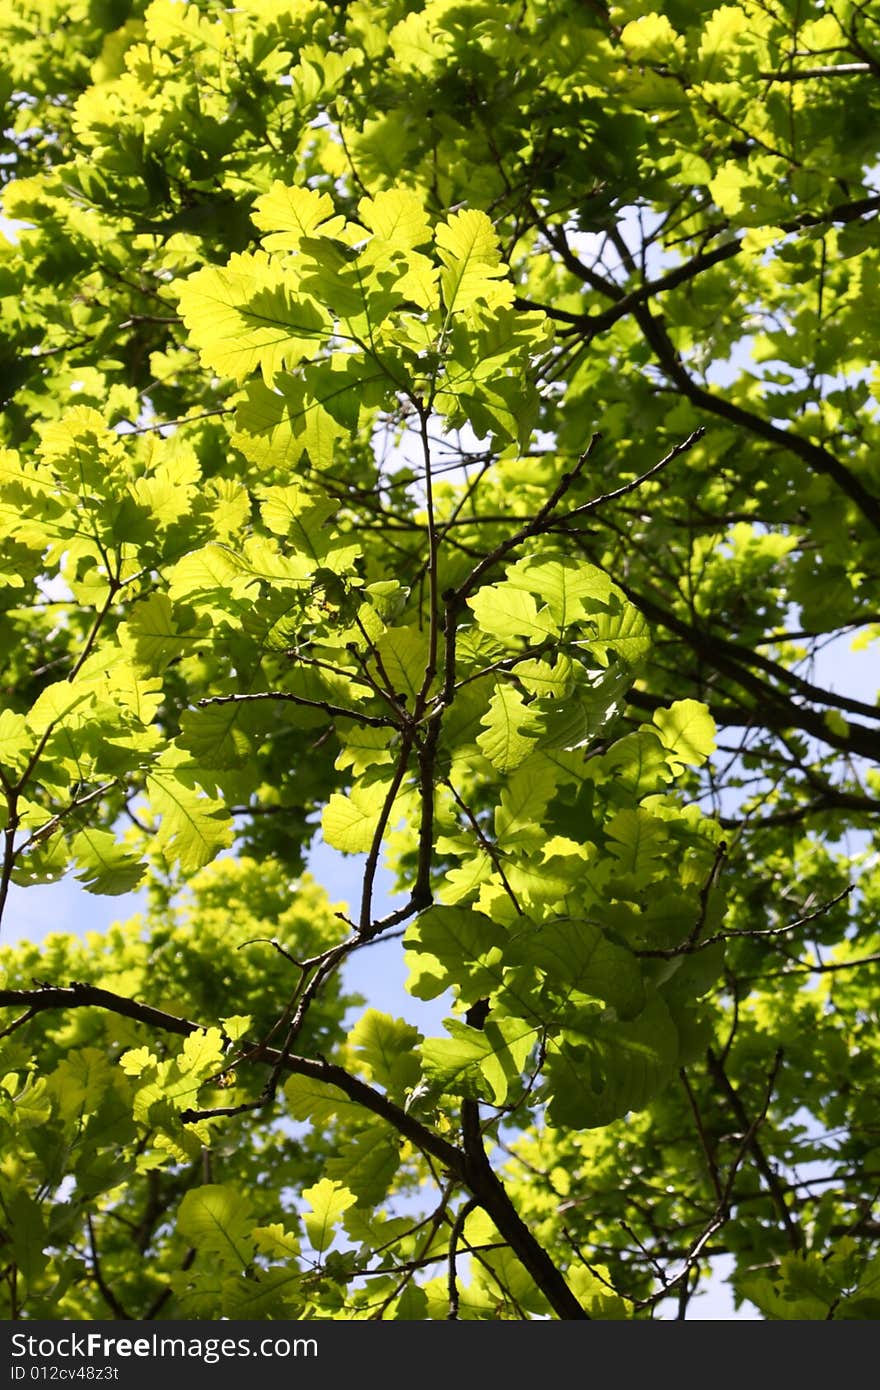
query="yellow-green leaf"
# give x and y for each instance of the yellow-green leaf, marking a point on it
(328, 1200)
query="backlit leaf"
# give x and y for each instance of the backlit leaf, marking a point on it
(328, 1200)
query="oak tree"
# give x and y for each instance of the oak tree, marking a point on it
(447, 430)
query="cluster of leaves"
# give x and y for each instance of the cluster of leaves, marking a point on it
(449, 427)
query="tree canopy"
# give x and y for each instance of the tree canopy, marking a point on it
(448, 430)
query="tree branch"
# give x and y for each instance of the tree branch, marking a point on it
(335, 711)
(472, 1169)
(817, 457)
(750, 1139)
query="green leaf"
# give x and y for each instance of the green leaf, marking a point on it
(33, 1105)
(571, 588)
(453, 1064)
(635, 763)
(275, 1241)
(651, 37)
(468, 249)
(364, 747)
(388, 1047)
(202, 1053)
(318, 1101)
(505, 611)
(213, 737)
(402, 660)
(328, 1200)
(576, 956)
(289, 214)
(637, 840)
(688, 733)
(622, 632)
(512, 729)
(27, 1234)
(105, 865)
(480, 1063)
(350, 822)
(237, 1026)
(216, 1219)
(602, 1072)
(366, 1165)
(193, 828)
(46, 861)
(397, 216)
(594, 1289)
(80, 1081)
(296, 513)
(245, 316)
(14, 740)
(151, 633)
(412, 1306)
(449, 946)
(511, 1040)
(519, 818)
(727, 187)
(57, 701)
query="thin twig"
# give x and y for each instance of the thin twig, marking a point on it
(106, 1292)
(485, 844)
(19, 1022)
(704, 1140)
(335, 711)
(690, 946)
(750, 1141)
(454, 1236)
(804, 74)
(606, 497)
(534, 527)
